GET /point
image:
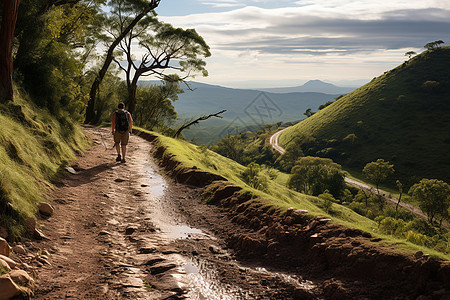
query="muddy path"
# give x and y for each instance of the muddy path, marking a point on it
(124, 231)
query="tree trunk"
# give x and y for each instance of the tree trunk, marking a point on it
(90, 109)
(9, 18)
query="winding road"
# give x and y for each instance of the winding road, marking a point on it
(358, 184)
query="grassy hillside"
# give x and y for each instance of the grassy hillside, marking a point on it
(401, 116)
(277, 195)
(34, 146)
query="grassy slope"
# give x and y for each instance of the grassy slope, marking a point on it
(394, 117)
(277, 194)
(34, 146)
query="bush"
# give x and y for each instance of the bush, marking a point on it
(328, 200)
(253, 177)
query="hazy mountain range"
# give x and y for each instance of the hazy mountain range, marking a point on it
(248, 107)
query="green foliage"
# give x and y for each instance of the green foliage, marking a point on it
(253, 176)
(314, 175)
(433, 197)
(293, 153)
(411, 133)
(328, 200)
(378, 171)
(154, 105)
(247, 147)
(33, 147)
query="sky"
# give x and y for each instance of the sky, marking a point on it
(259, 43)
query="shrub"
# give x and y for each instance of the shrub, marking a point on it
(328, 200)
(253, 177)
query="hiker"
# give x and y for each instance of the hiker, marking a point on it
(121, 126)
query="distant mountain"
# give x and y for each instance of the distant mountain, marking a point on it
(245, 108)
(401, 116)
(312, 86)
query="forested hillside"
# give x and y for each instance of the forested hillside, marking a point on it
(401, 116)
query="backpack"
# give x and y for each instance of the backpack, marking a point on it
(122, 123)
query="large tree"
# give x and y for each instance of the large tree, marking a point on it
(378, 171)
(9, 18)
(135, 10)
(166, 48)
(433, 196)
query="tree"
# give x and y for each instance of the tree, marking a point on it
(9, 18)
(293, 153)
(314, 175)
(378, 171)
(433, 196)
(433, 45)
(137, 10)
(308, 113)
(155, 105)
(410, 54)
(165, 48)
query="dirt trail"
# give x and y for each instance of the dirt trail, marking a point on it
(122, 231)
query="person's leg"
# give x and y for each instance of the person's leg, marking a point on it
(124, 143)
(124, 152)
(117, 144)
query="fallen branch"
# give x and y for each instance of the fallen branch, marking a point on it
(196, 121)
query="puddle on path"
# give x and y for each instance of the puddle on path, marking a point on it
(201, 275)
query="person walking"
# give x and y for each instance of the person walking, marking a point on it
(122, 127)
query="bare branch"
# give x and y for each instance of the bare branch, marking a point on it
(196, 121)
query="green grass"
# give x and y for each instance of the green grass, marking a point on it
(34, 146)
(394, 117)
(277, 195)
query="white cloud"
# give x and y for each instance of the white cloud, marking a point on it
(316, 37)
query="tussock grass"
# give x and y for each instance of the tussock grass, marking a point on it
(34, 147)
(277, 196)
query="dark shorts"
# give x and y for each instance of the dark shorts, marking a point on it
(121, 137)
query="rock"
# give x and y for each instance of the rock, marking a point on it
(30, 224)
(418, 254)
(161, 268)
(71, 170)
(104, 232)
(46, 209)
(12, 264)
(149, 259)
(3, 232)
(4, 265)
(214, 249)
(40, 235)
(119, 180)
(22, 278)
(19, 249)
(131, 229)
(4, 247)
(8, 288)
(289, 211)
(147, 250)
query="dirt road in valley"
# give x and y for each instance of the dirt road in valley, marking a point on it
(123, 231)
(361, 185)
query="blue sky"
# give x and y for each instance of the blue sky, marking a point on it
(260, 43)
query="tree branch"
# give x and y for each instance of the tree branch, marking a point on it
(196, 121)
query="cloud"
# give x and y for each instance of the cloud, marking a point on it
(294, 31)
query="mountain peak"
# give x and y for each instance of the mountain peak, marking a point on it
(318, 83)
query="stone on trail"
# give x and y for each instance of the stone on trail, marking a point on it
(161, 268)
(46, 209)
(22, 278)
(19, 249)
(119, 180)
(71, 170)
(11, 263)
(8, 288)
(4, 265)
(4, 247)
